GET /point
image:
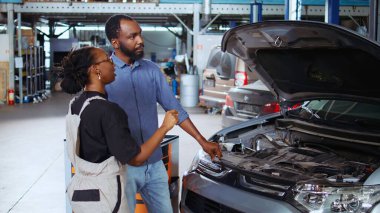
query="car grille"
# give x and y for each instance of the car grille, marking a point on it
(260, 184)
(200, 204)
(247, 108)
(265, 186)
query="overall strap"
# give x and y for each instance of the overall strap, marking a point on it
(87, 102)
(71, 102)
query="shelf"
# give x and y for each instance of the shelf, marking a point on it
(66, 8)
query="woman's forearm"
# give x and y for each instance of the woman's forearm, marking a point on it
(148, 147)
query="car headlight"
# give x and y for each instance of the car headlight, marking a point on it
(195, 162)
(202, 163)
(318, 198)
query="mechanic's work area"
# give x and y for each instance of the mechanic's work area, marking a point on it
(196, 106)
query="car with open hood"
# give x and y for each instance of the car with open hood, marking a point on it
(323, 156)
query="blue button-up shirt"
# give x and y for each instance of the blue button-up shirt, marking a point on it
(137, 89)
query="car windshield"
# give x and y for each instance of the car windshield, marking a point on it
(338, 112)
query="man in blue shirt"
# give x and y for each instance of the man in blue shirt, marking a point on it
(138, 86)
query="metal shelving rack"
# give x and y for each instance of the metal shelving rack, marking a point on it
(62, 8)
(35, 72)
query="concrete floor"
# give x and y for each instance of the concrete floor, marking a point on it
(32, 176)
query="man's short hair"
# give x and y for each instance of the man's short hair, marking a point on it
(112, 26)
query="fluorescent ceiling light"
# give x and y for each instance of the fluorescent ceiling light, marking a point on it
(45, 29)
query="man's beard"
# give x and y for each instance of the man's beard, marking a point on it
(131, 54)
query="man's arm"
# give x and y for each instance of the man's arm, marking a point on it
(210, 148)
(168, 101)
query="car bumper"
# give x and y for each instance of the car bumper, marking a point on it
(228, 121)
(200, 193)
(209, 101)
(230, 117)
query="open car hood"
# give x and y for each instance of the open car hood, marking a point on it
(304, 60)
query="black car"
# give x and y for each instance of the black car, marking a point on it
(247, 102)
(323, 156)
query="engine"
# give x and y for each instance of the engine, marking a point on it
(298, 164)
(291, 155)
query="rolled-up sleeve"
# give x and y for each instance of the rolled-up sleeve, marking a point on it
(166, 98)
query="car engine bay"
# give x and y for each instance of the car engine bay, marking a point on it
(283, 154)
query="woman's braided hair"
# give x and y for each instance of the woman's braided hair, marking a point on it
(75, 69)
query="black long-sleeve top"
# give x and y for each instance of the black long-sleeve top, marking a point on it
(103, 130)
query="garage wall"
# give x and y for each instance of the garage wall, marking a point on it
(204, 45)
(4, 67)
(160, 43)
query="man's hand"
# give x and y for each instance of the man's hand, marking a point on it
(212, 149)
(209, 147)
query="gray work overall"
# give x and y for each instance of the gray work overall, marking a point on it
(95, 187)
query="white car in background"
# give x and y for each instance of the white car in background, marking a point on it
(223, 72)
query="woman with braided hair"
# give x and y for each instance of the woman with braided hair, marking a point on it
(99, 142)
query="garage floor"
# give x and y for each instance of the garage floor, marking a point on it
(32, 176)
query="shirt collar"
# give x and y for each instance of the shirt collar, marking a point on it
(121, 64)
(90, 94)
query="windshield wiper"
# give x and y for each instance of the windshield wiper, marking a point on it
(310, 111)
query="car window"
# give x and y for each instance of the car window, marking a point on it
(350, 112)
(227, 66)
(214, 58)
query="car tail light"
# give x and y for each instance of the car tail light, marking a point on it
(270, 108)
(241, 78)
(229, 101)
